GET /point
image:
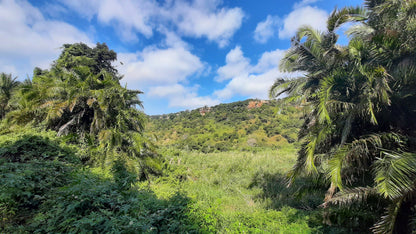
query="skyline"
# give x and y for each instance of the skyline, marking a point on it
(181, 54)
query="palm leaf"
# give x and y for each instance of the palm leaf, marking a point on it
(350, 196)
(395, 173)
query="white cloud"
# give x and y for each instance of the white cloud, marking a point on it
(86, 9)
(53, 9)
(304, 3)
(250, 80)
(266, 29)
(181, 96)
(205, 19)
(197, 18)
(268, 61)
(253, 86)
(129, 16)
(166, 91)
(237, 65)
(162, 73)
(29, 40)
(155, 66)
(172, 39)
(307, 15)
(302, 15)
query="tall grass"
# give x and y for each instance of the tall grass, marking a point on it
(220, 184)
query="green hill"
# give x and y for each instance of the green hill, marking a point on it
(243, 125)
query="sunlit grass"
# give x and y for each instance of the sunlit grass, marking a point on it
(219, 185)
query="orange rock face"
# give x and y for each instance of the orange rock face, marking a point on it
(256, 104)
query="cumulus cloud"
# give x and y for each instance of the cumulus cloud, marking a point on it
(266, 29)
(205, 19)
(128, 17)
(269, 60)
(29, 40)
(303, 14)
(163, 72)
(197, 18)
(155, 66)
(251, 80)
(307, 15)
(237, 65)
(181, 96)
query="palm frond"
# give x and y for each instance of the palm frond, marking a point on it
(344, 15)
(309, 32)
(359, 30)
(335, 165)
(324, 95)
(350, 196)
(395, 173)
(290, 87)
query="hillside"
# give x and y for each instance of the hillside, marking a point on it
(243, 125)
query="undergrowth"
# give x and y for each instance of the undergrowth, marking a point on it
(46, 189)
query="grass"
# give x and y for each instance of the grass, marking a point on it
(220, 186)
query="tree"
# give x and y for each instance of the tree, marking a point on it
(359, 131)
(81, 96)
(98, 59)
(7, 86)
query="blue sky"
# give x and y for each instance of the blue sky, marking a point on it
(183, 54)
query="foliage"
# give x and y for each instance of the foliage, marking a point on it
(60, 122)
(31, 165)
(227, 127)
(8, 86)
(219, 185)
(223, 166)
(98, 59)
(81, 98)
(360, 131)
(46, 189)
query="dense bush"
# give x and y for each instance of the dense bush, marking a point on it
(45, 188)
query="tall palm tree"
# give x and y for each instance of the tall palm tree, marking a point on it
(80, 96)
(7, 87)
(360, 131)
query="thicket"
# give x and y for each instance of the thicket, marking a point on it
(46, 188)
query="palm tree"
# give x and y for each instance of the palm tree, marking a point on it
(81, 97)
(7, 86)
(361, 98)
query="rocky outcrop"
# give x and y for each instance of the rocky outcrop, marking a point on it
(256, 104)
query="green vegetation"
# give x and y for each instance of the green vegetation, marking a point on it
(76, 155)
(227, 190)
(360, 132)
(244, 125)
(72, 149)
(45, 188)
